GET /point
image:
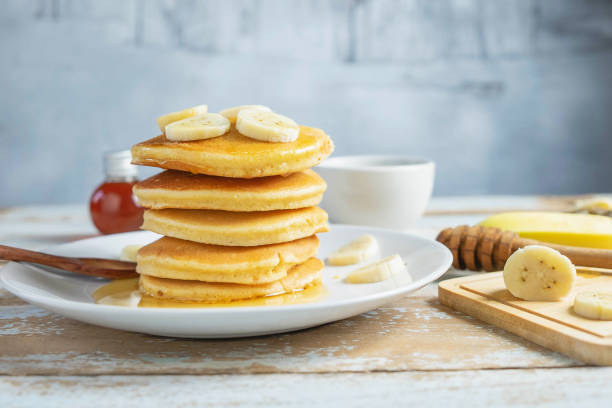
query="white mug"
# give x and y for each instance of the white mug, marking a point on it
(382, 191)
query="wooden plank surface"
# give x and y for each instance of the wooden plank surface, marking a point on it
(551, 324)
(577, 387)
(411, 334)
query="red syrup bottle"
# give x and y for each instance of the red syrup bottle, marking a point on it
(113, 206)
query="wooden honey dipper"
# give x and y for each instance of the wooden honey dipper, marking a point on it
(477, 248)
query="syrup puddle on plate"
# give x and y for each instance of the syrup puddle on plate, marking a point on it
(121, 292)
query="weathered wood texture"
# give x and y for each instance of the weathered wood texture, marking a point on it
(412, 334)
(507, 96)
(578, 387)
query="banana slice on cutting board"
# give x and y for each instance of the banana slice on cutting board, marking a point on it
(594, 305)
(168, 118)
(359, 250)
(232, 113)
(539, 273)
(266, 126)
(379, 271)
(205, 126)
(128, 253)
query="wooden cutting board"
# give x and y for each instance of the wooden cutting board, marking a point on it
(553, 325)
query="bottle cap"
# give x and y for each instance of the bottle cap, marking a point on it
(118, 164)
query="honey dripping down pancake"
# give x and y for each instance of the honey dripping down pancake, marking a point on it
(177, 189)
(174, 258)
(237, 228)
(297, 278)
(235, 155)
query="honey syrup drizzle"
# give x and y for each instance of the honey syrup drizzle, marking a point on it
(118, 291)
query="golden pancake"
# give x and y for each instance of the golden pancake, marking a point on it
(237, 228)
(234, 155)
(178, 189)
(297, 278)
(175, 258)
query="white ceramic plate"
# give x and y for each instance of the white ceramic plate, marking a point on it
(70, 295)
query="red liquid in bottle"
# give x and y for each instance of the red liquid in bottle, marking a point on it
(113, 206)
(114, 209)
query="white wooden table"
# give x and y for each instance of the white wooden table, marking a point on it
(412, 351)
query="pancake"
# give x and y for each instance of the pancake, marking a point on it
(178, 189)
(234, 155)
(297, 278)
(237, 228)
(179, 259)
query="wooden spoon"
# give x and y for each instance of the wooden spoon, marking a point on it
(103, 268)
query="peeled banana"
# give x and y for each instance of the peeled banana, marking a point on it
(128, 253)
(583, 230)
(379, 271)
(232, 113)
(267, 126)
(168, 118)
(205, 126)
(594, 305)
(539, 273)
(359, 250)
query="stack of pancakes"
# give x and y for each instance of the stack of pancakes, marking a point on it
(238, 215)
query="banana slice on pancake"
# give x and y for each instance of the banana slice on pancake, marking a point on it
(267, 126)
(232, 113)
(168, 118)
(205, 126)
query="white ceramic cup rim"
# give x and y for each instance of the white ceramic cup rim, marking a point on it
(375, 162)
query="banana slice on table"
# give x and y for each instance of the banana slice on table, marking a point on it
(128, 253)
(594, 305)
(539, 273)
(379, 271)
(168, 118)
(359, 250)
(266, 126)
(205, 126)
(232, 113)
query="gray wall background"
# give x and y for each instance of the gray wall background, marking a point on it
(508, 96)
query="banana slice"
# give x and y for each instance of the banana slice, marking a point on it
(359, 250)
(168, 118)
(379, 271)
(539, 273)
(594, 305)
(128, 253)
(199, 127)
(122, 299)
(232, 113)
(266, 126)
(595, 204)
